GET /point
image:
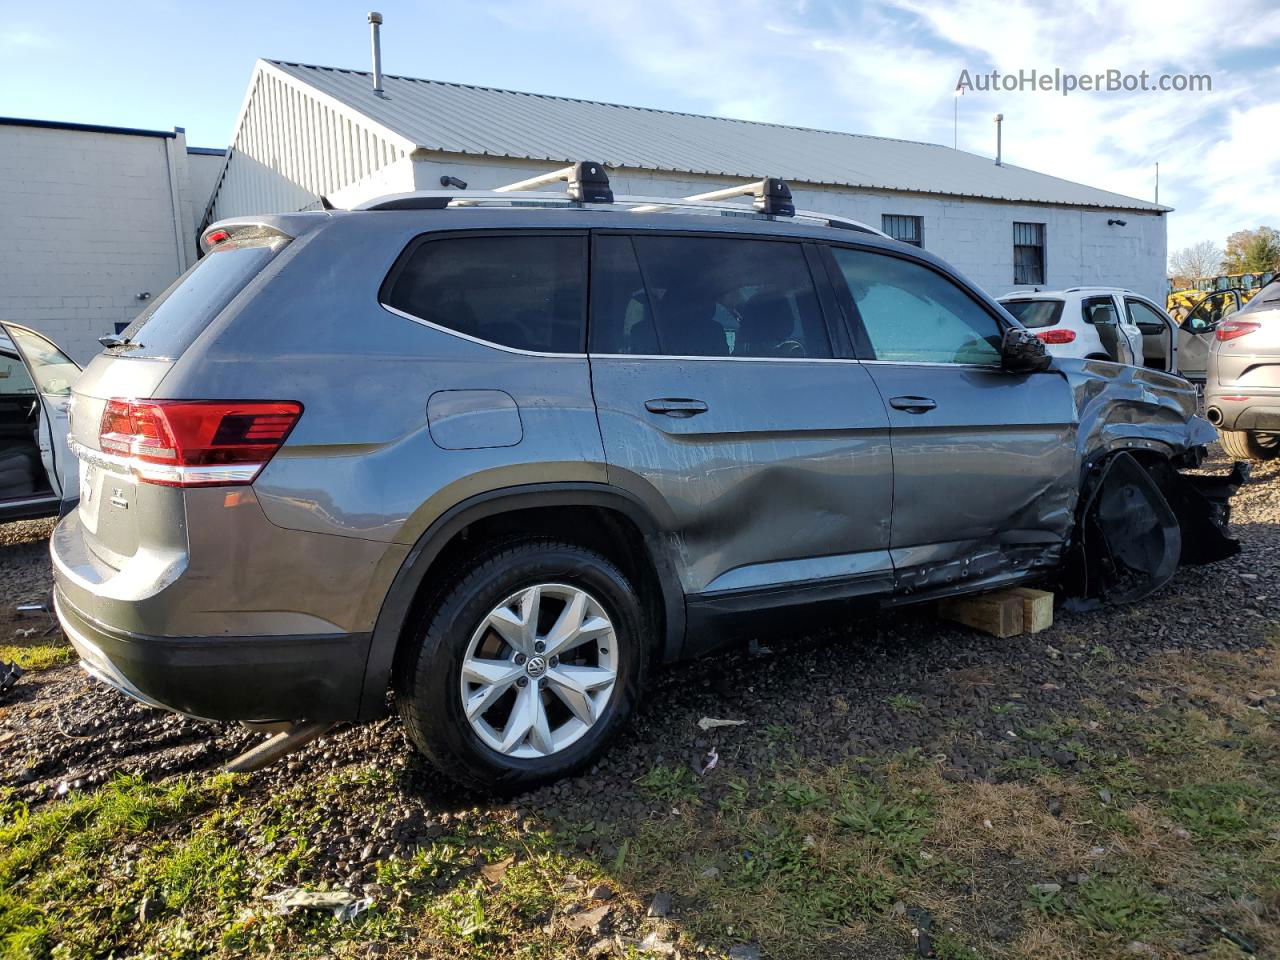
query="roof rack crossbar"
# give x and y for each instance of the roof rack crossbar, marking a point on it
(588, 183)
(772, 196)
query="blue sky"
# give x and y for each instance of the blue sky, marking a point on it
(884, 67)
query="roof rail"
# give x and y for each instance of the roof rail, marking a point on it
(1096, 286)
(444, 199)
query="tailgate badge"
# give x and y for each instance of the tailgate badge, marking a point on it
(118, 498)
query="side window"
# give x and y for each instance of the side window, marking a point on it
(14, 379)
(705, 297)
(1146, 319)
(1099, 310)
(1210, 311)
(913, 315)
(527, 292)
(54, 370)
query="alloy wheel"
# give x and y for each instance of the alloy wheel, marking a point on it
(539, 670)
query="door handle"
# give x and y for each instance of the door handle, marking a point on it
(912, 404)
(676, 406)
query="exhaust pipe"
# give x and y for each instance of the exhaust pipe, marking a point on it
(375, 26)
(1214, 416)
(293, 737)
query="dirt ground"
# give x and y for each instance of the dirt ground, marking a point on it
(952, 729)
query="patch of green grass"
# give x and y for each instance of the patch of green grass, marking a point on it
(1049, 732)
(1003, 709)
(37, 655)
(1218, 812)
(1043, 901)
(798, 794)
(904, 703)
(946, 946)
(670, 784)
(1117, 906)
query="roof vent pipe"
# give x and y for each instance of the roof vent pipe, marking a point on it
(375, 25)
(999, 118)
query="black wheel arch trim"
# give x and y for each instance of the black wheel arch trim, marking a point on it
(413, 570)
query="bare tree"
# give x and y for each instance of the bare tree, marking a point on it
(1203, 259)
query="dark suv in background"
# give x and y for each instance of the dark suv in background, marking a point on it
(500, 454)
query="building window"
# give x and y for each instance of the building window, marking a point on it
(907, 229)
(1028, 253)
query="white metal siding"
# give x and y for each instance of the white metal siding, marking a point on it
(974, 236)
(87, 223)
(292, 147)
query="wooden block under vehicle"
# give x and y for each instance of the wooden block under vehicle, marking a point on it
(998, 614)
(1037, 608)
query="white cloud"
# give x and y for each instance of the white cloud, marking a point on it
(18, 37)
(889, 67)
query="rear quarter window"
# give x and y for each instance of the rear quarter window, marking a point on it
(179, 315)
(1033, 314)
(528, 292)
(1268, 298)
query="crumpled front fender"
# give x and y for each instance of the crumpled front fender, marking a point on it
(1123, 407)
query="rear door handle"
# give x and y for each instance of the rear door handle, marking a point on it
(676, 406)
(912, 404)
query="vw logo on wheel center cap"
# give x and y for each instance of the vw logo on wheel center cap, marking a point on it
(536, 666)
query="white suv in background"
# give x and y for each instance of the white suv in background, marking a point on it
(1098, 323)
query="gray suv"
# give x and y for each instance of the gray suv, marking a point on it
(1242, 389)
(496, 455)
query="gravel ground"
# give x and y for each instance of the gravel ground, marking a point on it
(831, 691)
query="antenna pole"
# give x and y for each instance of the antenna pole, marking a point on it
(1157, 181)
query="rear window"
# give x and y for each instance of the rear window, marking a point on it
(175, 318)
(527, 292)
(1268, 298)
(1035, 313)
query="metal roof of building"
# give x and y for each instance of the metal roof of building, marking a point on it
(484, 121)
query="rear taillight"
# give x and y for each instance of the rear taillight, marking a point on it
(1056, 336)
(1231, 329)
(189, 443)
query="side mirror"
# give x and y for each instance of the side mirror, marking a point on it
(1021, 351)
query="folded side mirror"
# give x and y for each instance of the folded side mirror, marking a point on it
(1021, 351)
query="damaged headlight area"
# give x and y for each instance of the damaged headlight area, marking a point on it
(1138, 521)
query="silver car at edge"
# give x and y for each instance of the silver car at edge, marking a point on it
(1242, 386)
(498, 459)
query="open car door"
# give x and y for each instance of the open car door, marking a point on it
(37, 470)
(1159, 334)
(1196, 334)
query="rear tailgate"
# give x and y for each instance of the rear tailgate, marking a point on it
(119, 515)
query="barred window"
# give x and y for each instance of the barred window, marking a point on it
(1028, 253)
(907, 229)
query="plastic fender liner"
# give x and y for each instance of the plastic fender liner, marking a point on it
(1130, 543)
(1203, 507)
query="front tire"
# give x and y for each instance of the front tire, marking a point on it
(1249, 444)
(525, 667)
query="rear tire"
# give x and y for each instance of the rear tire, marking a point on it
(1249, 444)
(483, 666)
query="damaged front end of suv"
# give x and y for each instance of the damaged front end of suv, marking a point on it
(1139, 513)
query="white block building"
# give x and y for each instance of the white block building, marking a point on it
(93, 222)
(306, 132)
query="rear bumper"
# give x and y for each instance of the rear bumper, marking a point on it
(225, 678)
(1244, 413)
